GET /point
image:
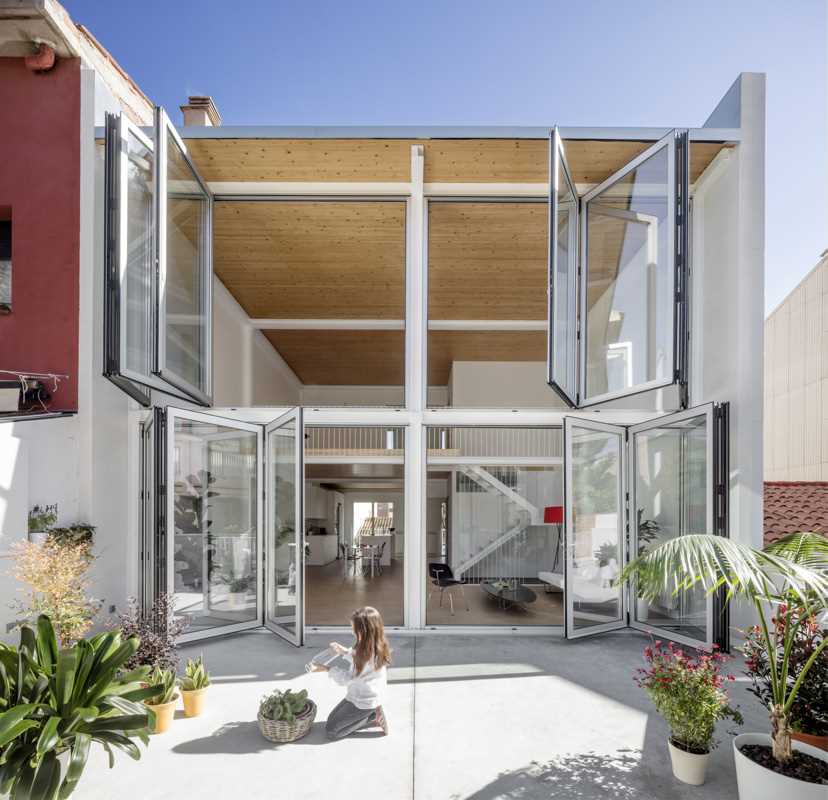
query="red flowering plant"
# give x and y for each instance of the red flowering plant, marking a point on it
(795, 637)
(688, 691)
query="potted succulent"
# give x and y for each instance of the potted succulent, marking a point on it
(194, 686)
(809, 710)
(286, 716)
(41, 519)
(162, 702)
(689, 693)
(790, 573)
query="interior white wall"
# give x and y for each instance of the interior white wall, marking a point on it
(501, 384)
(247, 370)
(397, 498)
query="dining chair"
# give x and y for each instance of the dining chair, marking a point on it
(443, 580)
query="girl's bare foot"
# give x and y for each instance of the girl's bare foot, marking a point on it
(381, 721)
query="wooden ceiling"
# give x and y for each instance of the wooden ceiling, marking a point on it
(343, 358)
(446, 160)
(487, 260)
(305, 259)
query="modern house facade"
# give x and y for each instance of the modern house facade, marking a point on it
(315, 367)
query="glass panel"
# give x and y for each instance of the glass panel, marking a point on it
(187, 259)
(215, 572)
(596, 538)
(355, 523)
(494, 507)
(136, 281)
(672, 498)
(563, 346)
(629, 280)
(283, 562)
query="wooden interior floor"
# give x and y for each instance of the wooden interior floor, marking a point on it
(330, 598)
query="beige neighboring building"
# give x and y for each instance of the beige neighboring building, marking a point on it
(796, 382)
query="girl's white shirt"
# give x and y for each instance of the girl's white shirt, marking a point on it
(366, 690)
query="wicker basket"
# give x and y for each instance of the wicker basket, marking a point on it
(277, 730)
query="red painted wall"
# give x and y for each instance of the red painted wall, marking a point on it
(40, 182)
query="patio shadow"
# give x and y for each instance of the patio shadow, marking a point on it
(582, 775)
(240, 737)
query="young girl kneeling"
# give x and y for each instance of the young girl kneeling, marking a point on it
(366, 678)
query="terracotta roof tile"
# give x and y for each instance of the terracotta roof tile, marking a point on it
(793, 506)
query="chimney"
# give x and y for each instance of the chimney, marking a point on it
(201, 110)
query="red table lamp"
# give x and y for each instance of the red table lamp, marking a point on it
(553, 515)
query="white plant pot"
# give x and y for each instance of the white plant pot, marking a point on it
(759, 783)
(688, 767)
(237, 600)
(38, 537)
(642, 609)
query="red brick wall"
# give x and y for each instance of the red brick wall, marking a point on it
(40, 183)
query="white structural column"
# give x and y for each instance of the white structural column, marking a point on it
(416, 384)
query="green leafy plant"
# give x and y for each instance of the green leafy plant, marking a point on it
(605, 553)
(647, 531)
(195, 676)
(41, 518)
(790, 573)
(688, 692)
(62, 700)
(81, 533)
(285, 705)
(163, 681)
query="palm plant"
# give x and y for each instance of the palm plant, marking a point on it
(789, 574)
(57, 700)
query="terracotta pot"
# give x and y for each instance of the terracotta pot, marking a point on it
(164, 714)
(759, 783)
(809, 738)
(688, 767)
(193, 701)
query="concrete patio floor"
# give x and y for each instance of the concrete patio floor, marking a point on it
(472, 718)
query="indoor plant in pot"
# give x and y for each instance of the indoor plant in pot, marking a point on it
(41, 519)
(286, 716)
(162, 703)
(194, 686)
(688, 691)
(791, 572)
(809, 710)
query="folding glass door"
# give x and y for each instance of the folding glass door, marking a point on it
(213, 516)
(285, 539)
(628, 489)
(618, 276)
(228, 523)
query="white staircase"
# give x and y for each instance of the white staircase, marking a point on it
(527, 514)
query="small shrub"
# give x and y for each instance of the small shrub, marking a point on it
(56, 583)
(41, 518)
(79, 533)
(689, 693)
(809, 711)
(158, 629)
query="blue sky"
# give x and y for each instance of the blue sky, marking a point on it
(517, 63)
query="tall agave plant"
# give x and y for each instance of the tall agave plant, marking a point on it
(54, 701)
(788, 574)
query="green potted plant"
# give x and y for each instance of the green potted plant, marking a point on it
(194, 686)
(57, 702)
(809, 710)
(41, 519)
(792, 572)
(285, 716)
(647, 531)
(689, 693)
(162, 701)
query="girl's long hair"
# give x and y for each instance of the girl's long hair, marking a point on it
(371, 644)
